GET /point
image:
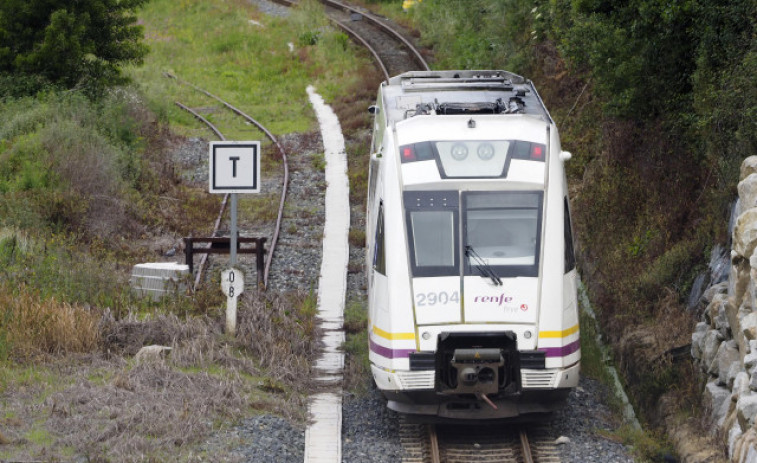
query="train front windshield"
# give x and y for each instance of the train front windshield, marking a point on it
(499, 229)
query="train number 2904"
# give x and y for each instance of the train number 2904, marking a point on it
(434, 298)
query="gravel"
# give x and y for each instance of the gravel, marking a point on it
(370, 431)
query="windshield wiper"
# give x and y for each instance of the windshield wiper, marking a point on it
(483, 268)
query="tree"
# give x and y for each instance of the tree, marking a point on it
(70, 43)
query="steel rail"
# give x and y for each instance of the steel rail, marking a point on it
(526, 447)
(362, 42)
(355, 36)
(416, 54)
(433, 439)
(282, 201)
(217, 225)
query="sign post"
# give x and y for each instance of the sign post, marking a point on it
(234, 168)
(232, 285)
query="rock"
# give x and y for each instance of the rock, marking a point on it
(734, 433)
(747, 189)
(750, 360)
(753, 381)
(717, 399)
(697, 340)
(722, 320)
(745, 233)
(741, 383)
(712, 342)
(748, 167)
(714, 290)
(151, 353)
(713, 308)
(728, 354)
(749, 326)
(746, 409)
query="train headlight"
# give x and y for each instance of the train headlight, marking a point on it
(426, 335)
(485, 151)
(459, 151)
(527, 335)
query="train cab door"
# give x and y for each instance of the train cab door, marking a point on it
(501, 249)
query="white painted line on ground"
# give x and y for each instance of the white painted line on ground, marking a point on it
(323, 438)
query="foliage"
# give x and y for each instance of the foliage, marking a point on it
(71, 44)
(72, 163)
(478, 35)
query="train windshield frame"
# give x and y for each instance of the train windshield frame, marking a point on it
(504, 230)
(433, 232)
(501, 228)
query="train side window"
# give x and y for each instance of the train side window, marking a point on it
(570, 255)
(379, 252)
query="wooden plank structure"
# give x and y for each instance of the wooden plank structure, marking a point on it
(222, 245)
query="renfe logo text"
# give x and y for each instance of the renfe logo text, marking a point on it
(501, 299)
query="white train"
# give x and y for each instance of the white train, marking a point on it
(471, 273)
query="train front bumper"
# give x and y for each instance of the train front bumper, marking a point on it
(413, 392)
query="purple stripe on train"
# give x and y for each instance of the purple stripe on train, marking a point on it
(390, 353)
(563, 351)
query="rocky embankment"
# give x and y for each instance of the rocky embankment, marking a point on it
(725, 341)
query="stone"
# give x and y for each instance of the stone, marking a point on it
(734, 433)
(713, 308)
(151, 353)
(750, 360)
(697, 340)
(714, 290)
(740, 385)
(728, 354)
(717, 399)
(753, 381)
(746, 409)
(747, 189)
(748, 167)
(742, 446)
(562, 440)
(712, 342)
(749, 326)
(745, 233)
(722, 320)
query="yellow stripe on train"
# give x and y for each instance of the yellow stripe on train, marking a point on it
(559, 334)
(393, 336)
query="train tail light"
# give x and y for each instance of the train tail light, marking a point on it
(408, 153)
(537, 152)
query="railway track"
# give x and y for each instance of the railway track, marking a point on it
(393, 52)
(277, 228)
(428, 443)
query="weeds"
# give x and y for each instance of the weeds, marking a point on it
(357, 376)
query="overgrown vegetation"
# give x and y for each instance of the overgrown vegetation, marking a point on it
(89, 186)
(657, 102)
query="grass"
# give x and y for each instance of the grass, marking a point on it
(68, 324)
(357, 370)
(215, 46)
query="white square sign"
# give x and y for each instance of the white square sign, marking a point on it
(234, 167)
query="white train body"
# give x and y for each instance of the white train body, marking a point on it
(471, 277)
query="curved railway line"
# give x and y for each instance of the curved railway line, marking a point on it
(422, 443)
(393, 52)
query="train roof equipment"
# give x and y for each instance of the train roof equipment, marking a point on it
(463, 92)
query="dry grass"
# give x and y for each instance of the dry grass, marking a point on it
(282, 333)
(32, 327)
(106, 407)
